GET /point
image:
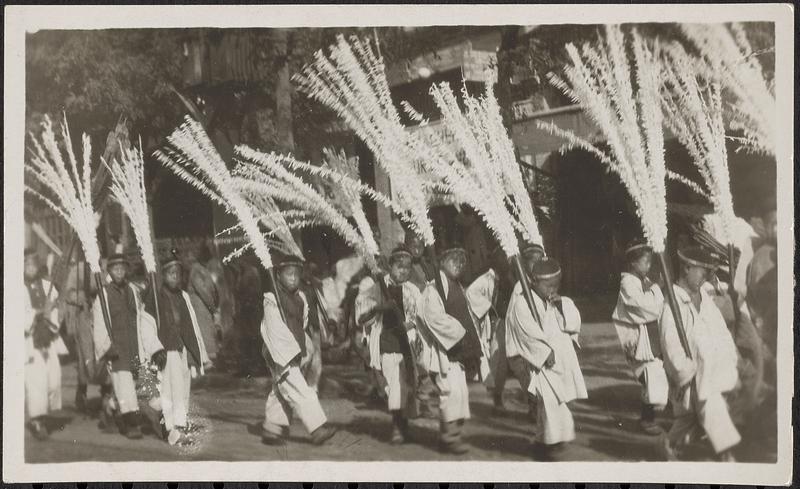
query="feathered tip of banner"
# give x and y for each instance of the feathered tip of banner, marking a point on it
(728, 54)
(693, 111)
(271, 174)
(352, 82)
(127, 187)
(599, 79)
(68, 184)
(192, 156)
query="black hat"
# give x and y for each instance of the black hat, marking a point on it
(697, 256)
(282, 260)
(637, 244)
(532, 248)
(546, 268)
(172, 259)
(116, 258)
(400, 251)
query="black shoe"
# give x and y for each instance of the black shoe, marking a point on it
(80, 398)
(323, 434)
(132, 429)
(269, 438)
(38, 429)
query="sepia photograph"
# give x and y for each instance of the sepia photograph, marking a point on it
(502, 247)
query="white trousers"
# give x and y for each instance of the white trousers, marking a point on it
(394, 370)
(554, 423)
(42, 383)
(453, 394)
(291, 394)
(175, 386)
(710, 416)
(125, 391)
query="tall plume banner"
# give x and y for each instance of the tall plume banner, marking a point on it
(727, 54)
(65, 185)
(599, 78)
(191, 155)
(127, 188)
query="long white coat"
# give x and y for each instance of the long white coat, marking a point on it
(57, 347)
(480, 294)
(279, 340)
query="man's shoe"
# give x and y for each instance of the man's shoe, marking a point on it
(80, 399)
(323, 434)
(38, 429)
(455, 448)
(650, 427)
(269, 438)
(132, 429)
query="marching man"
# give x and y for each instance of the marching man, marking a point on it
(547, 347)
(392, 332)
(129, 341)
(453, 350)
(285, 334)
(185, 351)
(635, 318)
(698, 384)
(43, 345)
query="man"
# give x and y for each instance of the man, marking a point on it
(203, 292)
(635, 317)
(284, 330)
(179, 333)
(312, 361)
(392, 325)
(452, 348)
(501, 362)
(43, 345)
(762, 288)
(421, 271)
(699, 380)
(547, 349)
(127, 342)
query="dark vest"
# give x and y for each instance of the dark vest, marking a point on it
(468, 350)
(293, 310)
(124, 333)
(393, 332)
(176, 330)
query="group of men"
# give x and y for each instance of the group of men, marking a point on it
(422, 332)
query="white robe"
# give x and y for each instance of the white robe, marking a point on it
(480, 294)
(279, 340)
(369, 296)
(556, 386)
(713, 367)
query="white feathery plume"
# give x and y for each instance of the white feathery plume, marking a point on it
(694, 114)
(69, 182)
(728, 54)
(271, 174)
(352, 82)
(127, 187)
(599, 79)
(192, 156)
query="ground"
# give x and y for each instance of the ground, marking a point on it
(228, 411)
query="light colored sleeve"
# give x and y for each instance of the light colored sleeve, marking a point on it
(366, 301)
(445, 328)
(102, 342)
(526, 334)
(680, 368)
(640, 306)
(280, 342)
(54, 312)
(148, 334)
(572, 318)
(479, 294)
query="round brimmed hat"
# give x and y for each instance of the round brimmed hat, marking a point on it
(172, 259)
(637, 244)
(116, 258)
(546, 268)
(400, 252)
(698, 256)
(282, 260)
(532, 248)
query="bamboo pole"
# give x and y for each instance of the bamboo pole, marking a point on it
(437, 277)
(154, 285)
(731, 291)
(673, 305)
(526, 288)
(274, 280)
(98, 278)
(323, 327)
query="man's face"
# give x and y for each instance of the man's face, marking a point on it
(531, 258)
(400, 270)
(414, 245)
(547, 288)
(453, 264)
(695, 276)
(31, 267)
(172, 277)
(642, 264)
(118, 272)
(771, 226)
(289, 277)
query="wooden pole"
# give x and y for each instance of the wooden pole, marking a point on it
(274, 280)
(526, 288)
(153, 285)
(98, 278)
(673, 305)
(437, 276)
(323, 327)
